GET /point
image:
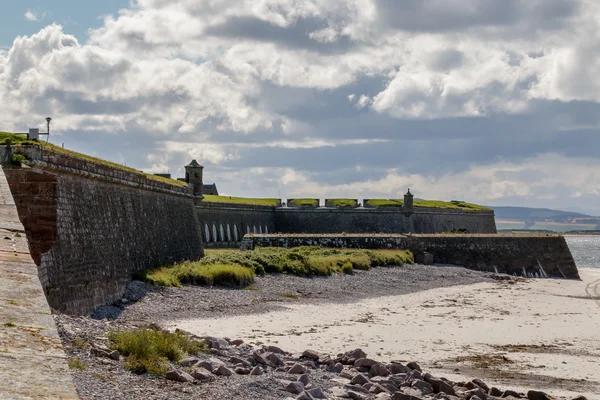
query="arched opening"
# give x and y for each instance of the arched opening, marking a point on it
(235, 233)
(254, 229)
(260, 229)
(214, 235)
(206, 233)
(266, 229)
(228, 233)
(221, 233)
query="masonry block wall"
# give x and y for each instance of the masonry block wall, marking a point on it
(224, 225)
(89, 234)
(511, 254)
(337, 220)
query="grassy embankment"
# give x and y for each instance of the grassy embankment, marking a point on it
(239, 268)
(22, 140)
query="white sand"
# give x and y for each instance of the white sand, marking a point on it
(436, 326)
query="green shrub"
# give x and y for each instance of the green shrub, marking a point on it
(303, 203)
(341, 202)
(76, 363)
(17, 159)
(383, 203)
(147, 350)
(347, 268)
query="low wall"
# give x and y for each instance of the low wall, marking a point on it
(91, 229)
(224, 225)
(511, 254)
(381, 220)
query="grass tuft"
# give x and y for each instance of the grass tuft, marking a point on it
(10, 324)
(270, 202)
(76, 363)
(290, 295)
(147, 350)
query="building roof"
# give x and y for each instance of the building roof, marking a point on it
(194, 163)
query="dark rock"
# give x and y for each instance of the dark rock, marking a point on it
(305, 379)
(357, 396)
(481, 384)
(396, 368)
(295, 387)
(223, 371)
(379, 370)
(297, 369)
(337, 368)
(439, 385)
(276, 350)
(476, 392)
(242, 371)
(237, 342)
(189, 362)
(405, 396)
(178, 376)
(202, 374)
(537, 395)
(256, 371)
(377, 388)
(512, 393)
(495, 392)
(423, 386)
(115, 355)
(305, 396)
(310, 364)
(364, 362)
(237, 360)
(311, 355)
(414, 374)
(414, 365)
(356, 354)
(275, 359)
(359, 379)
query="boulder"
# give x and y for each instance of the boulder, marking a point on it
(337, 368)
(397, 368)
(202, 374)
(276, 350)
(359, 379)
(237, 342)
(256, 371)
(305, 379)
(178, 376)
(295, 387)
(379, 370)
(481, 384)
(424, 387)
(297, 369)
(476, 392)
(364, 362)
(414, 365)
(242, 370)
(405, 396)
(495, 392)
(357, 396)
(275, 359)
(311, 355)
(241, 361)
(115, 355)
(512, 393)
(537, 395)
(377, 388)
(189, 362)
(439, 385)
(223, 371)
(414, 374)
(304, 396)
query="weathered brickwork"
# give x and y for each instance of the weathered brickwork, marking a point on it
(512, 254)
(89, 233)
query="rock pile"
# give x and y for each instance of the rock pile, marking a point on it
(351, 375)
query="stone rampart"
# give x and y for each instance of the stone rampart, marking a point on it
(91, 227)
(224, 225)
(381, 220)
(512, 254)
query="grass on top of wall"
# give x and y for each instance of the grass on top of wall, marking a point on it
(22, 140)
(148, 350)
(209, 198)
(303, 202)
(383, 203)
(238, 268)
(341, 202)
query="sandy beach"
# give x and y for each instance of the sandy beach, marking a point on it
(530, 334)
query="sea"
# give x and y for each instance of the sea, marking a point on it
(585, 250)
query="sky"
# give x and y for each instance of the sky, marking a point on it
(492, 102)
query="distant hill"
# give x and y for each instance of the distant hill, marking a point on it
(536, 214)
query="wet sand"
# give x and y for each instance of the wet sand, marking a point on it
(533, 334)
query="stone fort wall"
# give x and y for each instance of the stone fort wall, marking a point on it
(91, 227)
(544, 255)
(220, 222)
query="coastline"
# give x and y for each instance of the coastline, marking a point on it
(428, 314)
(520, 336)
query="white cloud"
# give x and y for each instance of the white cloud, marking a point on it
(221, 82)
(31, 16)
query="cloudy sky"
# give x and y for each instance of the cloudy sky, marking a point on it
(495, 102)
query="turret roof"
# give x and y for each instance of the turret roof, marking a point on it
(194, 163)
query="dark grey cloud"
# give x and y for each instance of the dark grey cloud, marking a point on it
(445, 16)
(295, 36)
